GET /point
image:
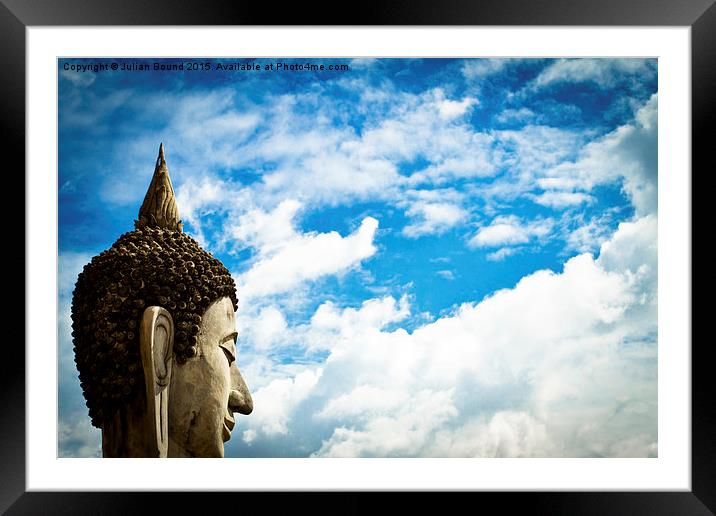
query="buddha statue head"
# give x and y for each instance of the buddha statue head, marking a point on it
(155, 338)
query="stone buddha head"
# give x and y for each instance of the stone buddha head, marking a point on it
(155, 338)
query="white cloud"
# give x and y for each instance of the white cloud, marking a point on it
(69, 266)
(502, 253)
(203, 132)
(522, 114)
(506, 434)
(312, 161)
(306, 257)
(563, 364)
(319, 162)
(432, 218)
(249, 436)
(604, 72)
(363, 62)
(77, 437)
(300, 147)
(589, 236)
(267, 232)
(402, 432)
(267, 328)
(329, 324)
(510, 230)
(364, 400)
(632, 246)
(480, 157)
(481, 68)
(627, 153)
(199, 197)
(274, 402)
(83, 108)
(450, 109)
(534, 148)
(446, 274)
(562, 199)
(80, 79)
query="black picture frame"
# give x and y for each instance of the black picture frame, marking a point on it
(17, 15)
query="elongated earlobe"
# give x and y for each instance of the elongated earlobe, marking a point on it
(156, 342)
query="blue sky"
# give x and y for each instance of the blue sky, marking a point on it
(434, 257)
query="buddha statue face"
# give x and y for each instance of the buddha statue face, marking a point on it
(155, 338)
(207, 389)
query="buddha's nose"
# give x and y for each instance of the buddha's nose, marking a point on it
(239, 397)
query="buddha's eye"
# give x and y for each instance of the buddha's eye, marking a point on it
(228, 345)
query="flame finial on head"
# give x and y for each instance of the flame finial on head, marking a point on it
(159, 208)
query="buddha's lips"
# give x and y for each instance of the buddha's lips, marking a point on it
(228, 427)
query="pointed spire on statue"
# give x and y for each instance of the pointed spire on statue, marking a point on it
(159, 209)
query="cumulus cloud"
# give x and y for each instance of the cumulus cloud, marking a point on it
(274, 402)
(450, 109)
(628, 154)
(330, 323)
(506, 433)
(510, 230)
(306, 257)
(267, 328)
(267, 231)
(563, 364)
(432, 218)
(401, 432)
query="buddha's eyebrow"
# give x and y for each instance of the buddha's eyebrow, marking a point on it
(230, 336)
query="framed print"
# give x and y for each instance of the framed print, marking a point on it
(445, 241)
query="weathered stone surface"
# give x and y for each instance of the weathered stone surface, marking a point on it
(154, 335)
(156, 340)
(207, 389)
(159, 208)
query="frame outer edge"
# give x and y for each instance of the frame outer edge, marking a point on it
(703, 126)
(12, 364)
(12, 102)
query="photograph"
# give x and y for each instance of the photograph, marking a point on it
(357, 257)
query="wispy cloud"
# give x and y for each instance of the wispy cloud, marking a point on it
(510, 230)
(482, 68)
(628, 154)
(603, 72)
(432, 218)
